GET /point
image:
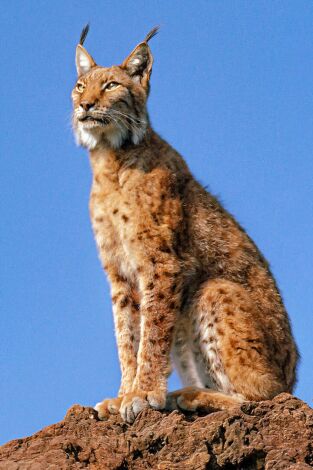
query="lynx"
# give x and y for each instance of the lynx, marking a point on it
(188, 285)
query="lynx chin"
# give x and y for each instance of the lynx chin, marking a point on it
(188, 285)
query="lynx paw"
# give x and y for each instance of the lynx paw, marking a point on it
(185, 399)
(204, 400)
(137, 401)
(107, 407)
(189, 401)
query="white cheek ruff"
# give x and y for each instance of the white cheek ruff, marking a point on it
(86, 138)
(111, 136)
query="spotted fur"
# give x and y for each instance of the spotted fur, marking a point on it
(185, 277)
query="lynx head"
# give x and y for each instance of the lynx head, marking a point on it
(110, 102)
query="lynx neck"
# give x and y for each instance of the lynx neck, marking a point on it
(104, 160)
(112, 160)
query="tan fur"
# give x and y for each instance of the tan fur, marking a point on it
(184, 276)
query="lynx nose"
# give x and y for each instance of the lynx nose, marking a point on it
(86, 105)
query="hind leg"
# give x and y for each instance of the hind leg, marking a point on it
(190, 365)
(185, 357)
(227, 328)
(194, 375)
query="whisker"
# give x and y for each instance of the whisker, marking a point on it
(128, 116)
(117, 123)
(131, 126)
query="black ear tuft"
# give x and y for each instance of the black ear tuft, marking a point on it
(83, 34)
(152, 33)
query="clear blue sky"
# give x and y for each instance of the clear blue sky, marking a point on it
(231, 90)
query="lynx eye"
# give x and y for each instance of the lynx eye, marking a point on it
(111, 86)
(80, 87)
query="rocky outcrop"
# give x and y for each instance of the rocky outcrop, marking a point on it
(276, 435)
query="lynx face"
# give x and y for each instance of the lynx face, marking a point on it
(110, 102)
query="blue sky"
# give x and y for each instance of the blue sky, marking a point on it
(231, 91)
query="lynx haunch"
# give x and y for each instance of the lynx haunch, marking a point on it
(187, 282)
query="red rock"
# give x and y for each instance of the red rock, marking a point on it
(270, 435)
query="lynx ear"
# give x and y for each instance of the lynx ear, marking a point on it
(84, 61)
(139, 63)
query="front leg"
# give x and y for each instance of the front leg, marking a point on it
(126, 320)
(158, 284)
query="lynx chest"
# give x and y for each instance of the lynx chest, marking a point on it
(131, 213)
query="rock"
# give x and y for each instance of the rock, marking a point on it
(271, 435)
